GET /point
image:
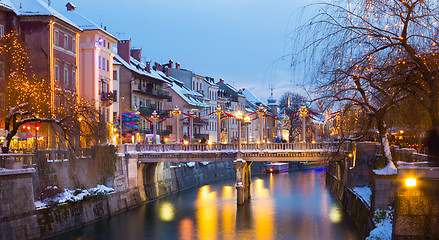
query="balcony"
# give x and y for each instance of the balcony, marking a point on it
(149, 109)
(153, 92)
(107, 98)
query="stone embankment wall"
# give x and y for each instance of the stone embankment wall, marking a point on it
(417, 207)
(134, 183)
(355, 171)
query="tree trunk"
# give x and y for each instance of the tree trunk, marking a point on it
(385, 149)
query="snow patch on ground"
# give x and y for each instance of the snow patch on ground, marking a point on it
(364, 193)
(383, 225)
(191, 164)
(390, 169)
(73, 196)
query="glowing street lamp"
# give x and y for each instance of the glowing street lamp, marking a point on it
(154, 118)
(219, 111)
(410, 182)
(303, 114)
(238, 117)
(177, 112)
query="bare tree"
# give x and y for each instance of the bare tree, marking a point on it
(29, 100)
(349, 36)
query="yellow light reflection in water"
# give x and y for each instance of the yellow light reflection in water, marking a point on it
(227, 192)
(167, 211)
(263, 208)
(186, 228)
(207, 214)
(335, 214)
(228, 213)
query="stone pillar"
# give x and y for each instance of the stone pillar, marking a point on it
(247, 185)
(240, 166)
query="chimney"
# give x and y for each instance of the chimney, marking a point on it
(123, 49)
(70, 6)
(148, 66)
(177, 65)
(136, 53)
(221, 80)
(171, 64)
(167, 72)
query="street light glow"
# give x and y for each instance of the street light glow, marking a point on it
(238, 115)
(410, 182)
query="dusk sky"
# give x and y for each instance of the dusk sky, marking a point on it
(241, 41)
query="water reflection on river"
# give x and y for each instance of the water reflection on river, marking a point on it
(283, 206)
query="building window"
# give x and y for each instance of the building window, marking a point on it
(2, 31)
(104, 43)
(108, 65)
(74, 77)
(103, 63)
(73, 45)
(169, 128)
(56, 72)
(2, 70)
(100, 62)
(115, 94)
(56, 38)
(115, 75)
(66, 41)
(108, 45)
(135, 101)
(66, 75)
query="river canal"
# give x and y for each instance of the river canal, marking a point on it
(294, 205)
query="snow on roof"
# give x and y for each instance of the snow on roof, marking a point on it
(189, 96)
(84, 22)
(232, 88)
(7, 4)
(251, 98)
(38, 8)
(133, 67)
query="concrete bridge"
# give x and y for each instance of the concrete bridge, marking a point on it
(242, 156)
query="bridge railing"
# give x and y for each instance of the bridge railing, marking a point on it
(16, 160)
(232, 147)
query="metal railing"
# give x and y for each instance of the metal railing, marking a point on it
(234, 147)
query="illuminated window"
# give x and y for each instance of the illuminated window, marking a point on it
(56, 38)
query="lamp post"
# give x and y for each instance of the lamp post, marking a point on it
(247, 120)
(177, 112)
(154, 118)
(120, 119)
(218, 123)
(238, 116)
(261, 128)
(303, 114)
(191, 125)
